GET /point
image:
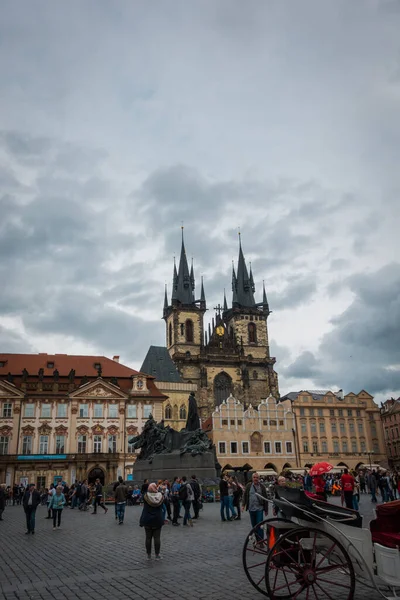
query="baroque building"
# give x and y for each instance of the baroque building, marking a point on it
(232, 356)
(70, 417)
(390, 415)
(343, 430)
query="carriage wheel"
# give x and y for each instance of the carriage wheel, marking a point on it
(310, 564)
(256, 550)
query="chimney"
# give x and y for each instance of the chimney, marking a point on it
(116, 359)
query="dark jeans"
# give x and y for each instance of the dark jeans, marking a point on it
(175, 506)
(348, 498)
(99, 502)
(30, 514)
(256, 516)
(121, 511)
(168, 507)
(225, 507)
(187, 516)
(196, 508)
(153, 534)
(57, 516)
(373, 495)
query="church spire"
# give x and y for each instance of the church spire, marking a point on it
(234, 286)
(165, 301)
(265, 300)
(192, 283)
(184, 279)
(244, 287)
(202, 296)
(225, 302)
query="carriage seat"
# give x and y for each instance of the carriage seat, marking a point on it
(385, 529)
(316, 509)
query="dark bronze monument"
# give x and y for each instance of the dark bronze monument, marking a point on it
(165, 452)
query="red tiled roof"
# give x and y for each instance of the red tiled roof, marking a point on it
(83, 365)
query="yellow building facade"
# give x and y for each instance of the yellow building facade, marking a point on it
(343, 430)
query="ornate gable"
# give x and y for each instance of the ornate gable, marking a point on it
(6, 431)
(98, 429)
(61, 430)
(8, 390)
(98, 389)
(82, 430)
(28, 430)
(44, 429)
(131, 430)
(112, 430)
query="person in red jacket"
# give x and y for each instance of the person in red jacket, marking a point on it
(319, 485)
(347, 482)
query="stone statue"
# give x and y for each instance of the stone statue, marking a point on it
(10, 378)
(114, 381)
(193, 421)
(25, 375)
(84, 379)
(41, 374)
(198, 443)
(71, 375)
(56, 375)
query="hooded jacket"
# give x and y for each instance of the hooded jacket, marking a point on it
(152, 514)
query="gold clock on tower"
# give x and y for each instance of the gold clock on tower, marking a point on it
(220, 330)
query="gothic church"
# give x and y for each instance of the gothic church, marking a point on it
(233, 355)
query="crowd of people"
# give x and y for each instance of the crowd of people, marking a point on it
(164, 501)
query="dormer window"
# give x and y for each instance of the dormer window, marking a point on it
(50, 365)
(97, 366)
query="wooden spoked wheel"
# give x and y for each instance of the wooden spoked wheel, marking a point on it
(256, 549)
(308, 564)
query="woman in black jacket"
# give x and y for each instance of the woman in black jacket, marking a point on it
(152, 519)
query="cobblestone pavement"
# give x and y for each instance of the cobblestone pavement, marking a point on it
(91, 557)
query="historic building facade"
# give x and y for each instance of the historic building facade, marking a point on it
(390, 415)
(343, 430)
(232, 356)
(70, 417)
(258, 438)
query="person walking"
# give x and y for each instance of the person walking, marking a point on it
(98, 498)
(152, 519)
(194, 484)
(237, 496)
(121, 494)
(84, 496)
(187, 496)
(176, 486)
(57, 504)
(254, 504)
(372, 485)
(116, 484)
(50, 494)
(30, 502)
(348, 483)
(231, 492)
(2, 499)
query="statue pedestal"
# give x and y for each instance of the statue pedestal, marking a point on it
(168, 466)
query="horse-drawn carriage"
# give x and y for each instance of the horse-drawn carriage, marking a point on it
(315, 550)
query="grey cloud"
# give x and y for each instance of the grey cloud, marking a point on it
(298, 291)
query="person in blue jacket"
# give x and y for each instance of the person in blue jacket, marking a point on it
(57, 504)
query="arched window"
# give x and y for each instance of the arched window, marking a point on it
(252, 330)
(189, 330)
(170, 334)
(182, 412)
(222, 388)
(168, 412)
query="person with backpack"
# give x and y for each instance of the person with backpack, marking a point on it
(194, 484)
(116, 484)
(121, 494)
(152, 519)
(186, 495)
(98, 498)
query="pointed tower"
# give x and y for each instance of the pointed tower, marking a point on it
(184, 316)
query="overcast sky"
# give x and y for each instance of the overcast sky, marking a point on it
(121, 119)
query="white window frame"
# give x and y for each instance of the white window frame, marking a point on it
(27, 443)
(7, 410)
(132, 408)
(113, 407)
(82, 439)
(147, 406)
(270, 448)
(219, 447)
(131, 449)
(46, 406)
(112, 439)
(4, 444)
(248, 448)
(43, 444)
(324, 446)
(29, 408)
(291, 445)
(62, 407)
(237, 449)
(276, 451)
(85, 408)
(97, 444)
(305, 445)
(98, 411)
(64, 439)
(336, 446)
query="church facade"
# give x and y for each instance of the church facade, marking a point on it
(231, 356)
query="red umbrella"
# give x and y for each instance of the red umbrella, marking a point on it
(320, 468)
